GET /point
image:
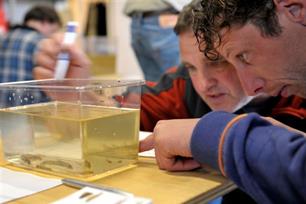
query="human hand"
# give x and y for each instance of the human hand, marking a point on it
(171, 140)
(46, 58)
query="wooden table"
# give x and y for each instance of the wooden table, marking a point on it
(146, 180)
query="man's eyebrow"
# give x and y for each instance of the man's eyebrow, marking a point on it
(187, 63)
(221, 58)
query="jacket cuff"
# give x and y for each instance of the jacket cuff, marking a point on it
(206, 136)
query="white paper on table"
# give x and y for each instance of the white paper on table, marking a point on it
(150, 153)
(85, 195)
(96, 196)
(14, 184)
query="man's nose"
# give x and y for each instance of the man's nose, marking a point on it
(207, 81)
(251, 84)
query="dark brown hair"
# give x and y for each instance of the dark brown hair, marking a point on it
(185, 20)
(214, 15)
(42, 13)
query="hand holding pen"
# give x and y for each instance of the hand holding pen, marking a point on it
(47, 55)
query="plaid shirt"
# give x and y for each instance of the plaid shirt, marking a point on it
(16, 54)
(16, 64)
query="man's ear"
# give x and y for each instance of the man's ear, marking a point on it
(295, 10)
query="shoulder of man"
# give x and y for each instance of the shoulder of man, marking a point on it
(291, 111)
(175, 76)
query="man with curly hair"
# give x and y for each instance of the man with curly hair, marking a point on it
(264, 39)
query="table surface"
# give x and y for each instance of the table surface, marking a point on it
(147, 180)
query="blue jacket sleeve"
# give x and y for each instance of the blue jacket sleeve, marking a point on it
(266, 161)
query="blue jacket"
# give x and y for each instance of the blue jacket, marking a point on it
(266, 161)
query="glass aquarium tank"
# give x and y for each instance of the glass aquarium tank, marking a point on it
(77, 127)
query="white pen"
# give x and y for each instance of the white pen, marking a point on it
(62, 63)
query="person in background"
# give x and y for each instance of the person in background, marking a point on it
(17, 48)
(264, 40)
(17, 52)
(152, 38)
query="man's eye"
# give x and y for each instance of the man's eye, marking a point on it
(191, 69)
(243, 58)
